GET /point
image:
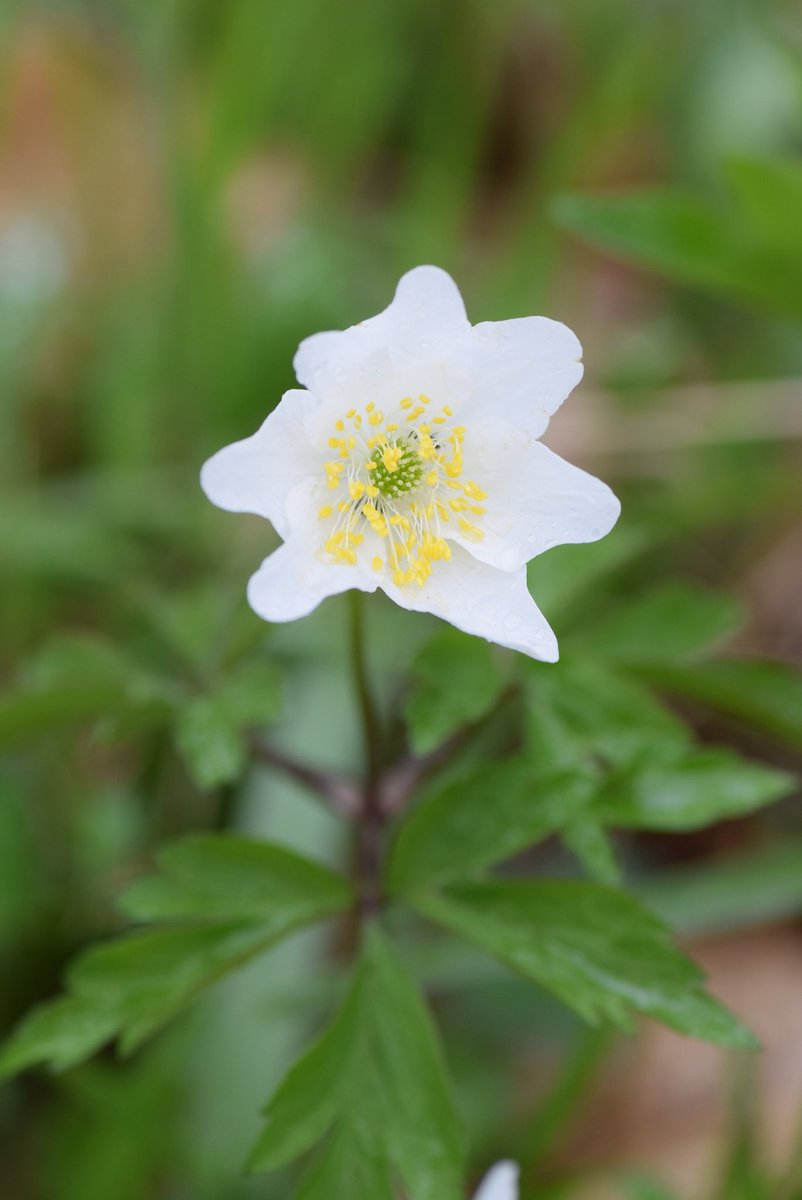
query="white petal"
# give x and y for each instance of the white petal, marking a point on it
(394, 353)
(257, 474)
(501, 1183)
(521, 370)
(483, 601)
(535, 499)
(291, 582)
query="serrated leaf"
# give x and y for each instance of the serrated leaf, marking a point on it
(582, 712)
(456, 680)
(226, 877)
(310, 1097)
(665, 624)
(690, 792)
(211, 746)
(766, 695)
(210, 729)
(62, 1032)
(352, 1165)
(377, 1077)
(236, 899)
(481, 818)
(593, 946)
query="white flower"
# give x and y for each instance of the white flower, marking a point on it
(500, 1183)
(412, 463)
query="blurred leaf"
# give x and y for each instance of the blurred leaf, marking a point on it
(770, 194)
(79, 678)
(581, 712)
(691, 241)
(131, 986)
(481, 818)
(223, 877)
(456, 680)
(766, 695)
(673, 621)
(378, 1075)
(594, 947)
(210, 729)
(695, 790)
(586, 838)
(745, 889)
(639, 1187)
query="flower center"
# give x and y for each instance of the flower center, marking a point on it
(398, 469)
(400, 478)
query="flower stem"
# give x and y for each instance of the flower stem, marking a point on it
(370, 819)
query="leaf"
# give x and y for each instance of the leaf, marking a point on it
(80, 679)
(481, 818)
(377, 1080)
(225, 877)
(665, 624)
(586, 838)
(62, 1032)
(770, 194)
(689, 240)
(424, 1138)
(766, 695)
(236, 897)
(582, 712)
(456, 681)
(593, 946)
(210, 729)
(311, 1095)
(737, 892)
(689, 793)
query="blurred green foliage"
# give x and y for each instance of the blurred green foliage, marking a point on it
(188, 189)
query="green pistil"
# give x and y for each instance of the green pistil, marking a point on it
(403, 479)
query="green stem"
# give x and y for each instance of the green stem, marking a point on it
(370, 820)
(371, 729)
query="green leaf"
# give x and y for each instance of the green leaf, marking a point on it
(747, 889)
(62, 1032)
(689, 793)
(766, 695)
(581, 712)
(311, 1095)
(688, 240)
(235, 899)
(586, 838)
(352, 1164)
(79, 679)
(666, 624)
(210, 729)
(423, 1135)
(770, 194)
(481, 818)
(593, 946)
(377, 1080)
(456, 681)
(225, 877)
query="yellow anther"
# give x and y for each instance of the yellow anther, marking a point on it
(391, 428)
(376, 417)
(357, 422)
(325, 511)
(473, 490)
(377, 563)
(352, 413)
(432, 478)
(339, 424)
(439, 420)
(371, 466)
(369, 407)
(407, 402)
(356, 489)
(448, 411)
(371, 489)
(472, 530)
(423, 399)
(390, 457)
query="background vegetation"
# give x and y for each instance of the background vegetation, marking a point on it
(186, 190)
